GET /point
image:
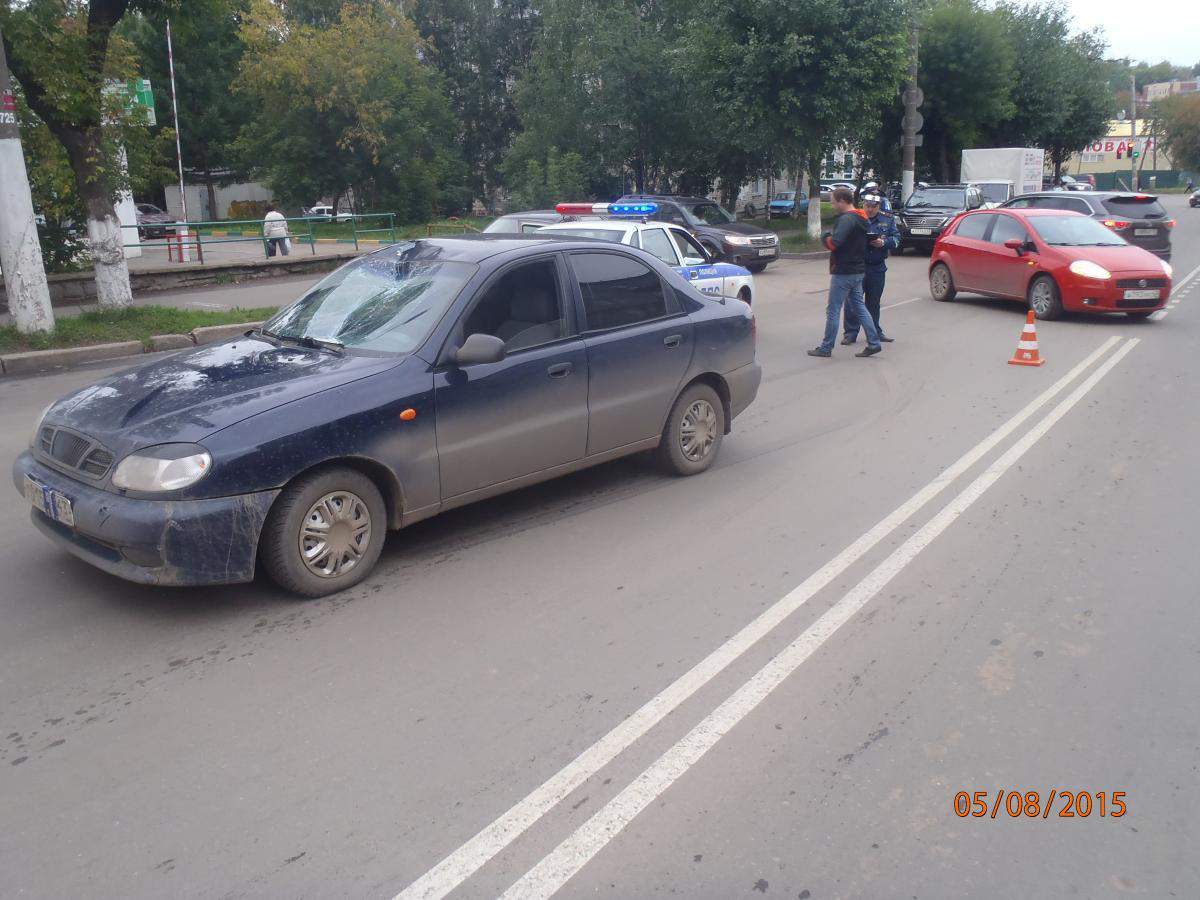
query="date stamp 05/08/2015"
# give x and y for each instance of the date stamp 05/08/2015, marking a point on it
(1061, 803)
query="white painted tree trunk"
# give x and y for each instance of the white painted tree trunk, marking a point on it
(108, 257)
(814, 213)
(20, 249)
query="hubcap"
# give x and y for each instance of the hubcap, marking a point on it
(1041, 297)
(941, 281)
(335, 534)
(698, 430)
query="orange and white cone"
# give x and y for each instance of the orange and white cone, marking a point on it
(1027, 348)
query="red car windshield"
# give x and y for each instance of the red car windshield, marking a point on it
(1073, 231)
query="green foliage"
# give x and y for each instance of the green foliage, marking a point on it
(1178, 121)
(561, 177)
(349, 104)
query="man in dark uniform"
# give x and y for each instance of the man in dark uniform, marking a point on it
(887, 238)
(847, 245)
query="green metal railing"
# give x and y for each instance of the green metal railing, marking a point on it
(198, 235)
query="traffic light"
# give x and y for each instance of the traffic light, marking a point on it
(1133, 153)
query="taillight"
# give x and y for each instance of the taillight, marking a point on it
(1116, 224)
(1170, 223)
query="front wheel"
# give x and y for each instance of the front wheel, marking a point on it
(324, 533)
(1044, 298)
(941, 283)
(693, 433)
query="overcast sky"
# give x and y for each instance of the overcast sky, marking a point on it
(1152, 30)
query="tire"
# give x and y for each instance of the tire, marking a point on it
(941, 283)
(756, 267)
(1140, 313)
(697, 405)
(342, 497)
(744, 295)
(1044, 298)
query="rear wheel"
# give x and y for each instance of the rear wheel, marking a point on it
(1044, 298)
(941, 283)
(693, 432)
(324, 533)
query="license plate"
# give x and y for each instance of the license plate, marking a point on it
(768, 252)
(1145, 232)
(920, 231)
(54, 504)
(1150, 294)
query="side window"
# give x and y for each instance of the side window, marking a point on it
(617, 290)
(1007, 229)
(655, 240)
(1079, 206)
(973, 227)
(522, 308)
(530, 227)
(688, 245)
(1021, 203)
(668, 212)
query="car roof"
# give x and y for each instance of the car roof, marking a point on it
(1098, 195)
(603, 224)
(1027, 212)
(474, 248)
(533, 213)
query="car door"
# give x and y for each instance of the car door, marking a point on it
(968, 247)
(705, 276)
(1006, 272)
(529, 411)
(639, 345)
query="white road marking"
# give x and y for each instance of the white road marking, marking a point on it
(561, 864)
(475, 853)
(901, 303)
(1181, 288)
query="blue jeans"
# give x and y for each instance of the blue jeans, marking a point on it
(848, 290)
(873, 282)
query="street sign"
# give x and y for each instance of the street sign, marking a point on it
(913, 120)
(914, 97)
(137, 94)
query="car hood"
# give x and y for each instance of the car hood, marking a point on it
(155, 217)
(191, 395)
(929, 210)
(782, 202)
(734, 228)
(1127, 258)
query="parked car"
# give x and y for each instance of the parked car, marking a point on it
(723, 237)
(1139, 218)
(324, 213)
(995, 193)
(1089, 180)
(828, 187)
(750, 203)
(1194, 200)
(788, 205)
(417, 379)
(929, 209)
(152, 221)
(1049, 259)
(522, 222)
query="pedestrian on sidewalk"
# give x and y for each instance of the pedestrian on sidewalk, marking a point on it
(886, 238)
(847, 245)
(275, 232)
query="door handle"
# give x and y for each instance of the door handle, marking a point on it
(560, 370)
(673, 340)
(693, 274)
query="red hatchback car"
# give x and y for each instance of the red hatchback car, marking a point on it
(1051, 259)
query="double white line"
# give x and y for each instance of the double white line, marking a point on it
(545, 878)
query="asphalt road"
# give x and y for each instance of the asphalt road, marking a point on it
(909, 576)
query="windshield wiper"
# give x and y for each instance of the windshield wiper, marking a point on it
(336, 347)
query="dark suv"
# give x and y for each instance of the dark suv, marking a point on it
(930, 209)
(721, 234)
(1139, 218)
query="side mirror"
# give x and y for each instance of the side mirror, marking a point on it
(479, 348)
(694, 261)
(1016, 245)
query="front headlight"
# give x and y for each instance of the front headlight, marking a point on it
(1166, 267)
(37, 429)
(1089, 269)
(167, 467)
(738, 240)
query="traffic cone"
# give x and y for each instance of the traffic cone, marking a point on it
(1027, 348)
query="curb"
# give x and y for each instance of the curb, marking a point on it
(32, 362)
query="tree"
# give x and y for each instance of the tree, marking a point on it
(62, 53)
(966, 73)
(1178, 124)
(561, 178)
(1089, 105)
(347, 104)
(480, 46)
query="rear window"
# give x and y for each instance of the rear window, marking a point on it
(1135, 207)
(600, 234)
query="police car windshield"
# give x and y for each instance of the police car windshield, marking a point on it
(602, 234)
(382, 303)
(1074, 231)
(954, 198)
(707, 214)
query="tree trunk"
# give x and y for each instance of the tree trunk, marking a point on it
(944, 159)
(104, 232)
(814, 198)
(213, 212)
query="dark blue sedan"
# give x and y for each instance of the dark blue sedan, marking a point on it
(420, 378)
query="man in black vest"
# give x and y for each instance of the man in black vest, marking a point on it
(847, 262)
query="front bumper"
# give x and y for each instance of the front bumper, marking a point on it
(1087, 295)
(744, 256)
(167, 542)
(908, 239)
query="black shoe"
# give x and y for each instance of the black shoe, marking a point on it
(869, 350)
(824, 354)
(885, 339)
(849, 340)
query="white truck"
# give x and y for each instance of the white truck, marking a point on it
(1002, 173)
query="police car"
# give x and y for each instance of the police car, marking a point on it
(626, 223)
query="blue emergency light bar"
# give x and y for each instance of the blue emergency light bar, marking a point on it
(632, 209)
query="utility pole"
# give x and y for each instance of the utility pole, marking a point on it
(20, 249)
(1133, 185)
(913, 120)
